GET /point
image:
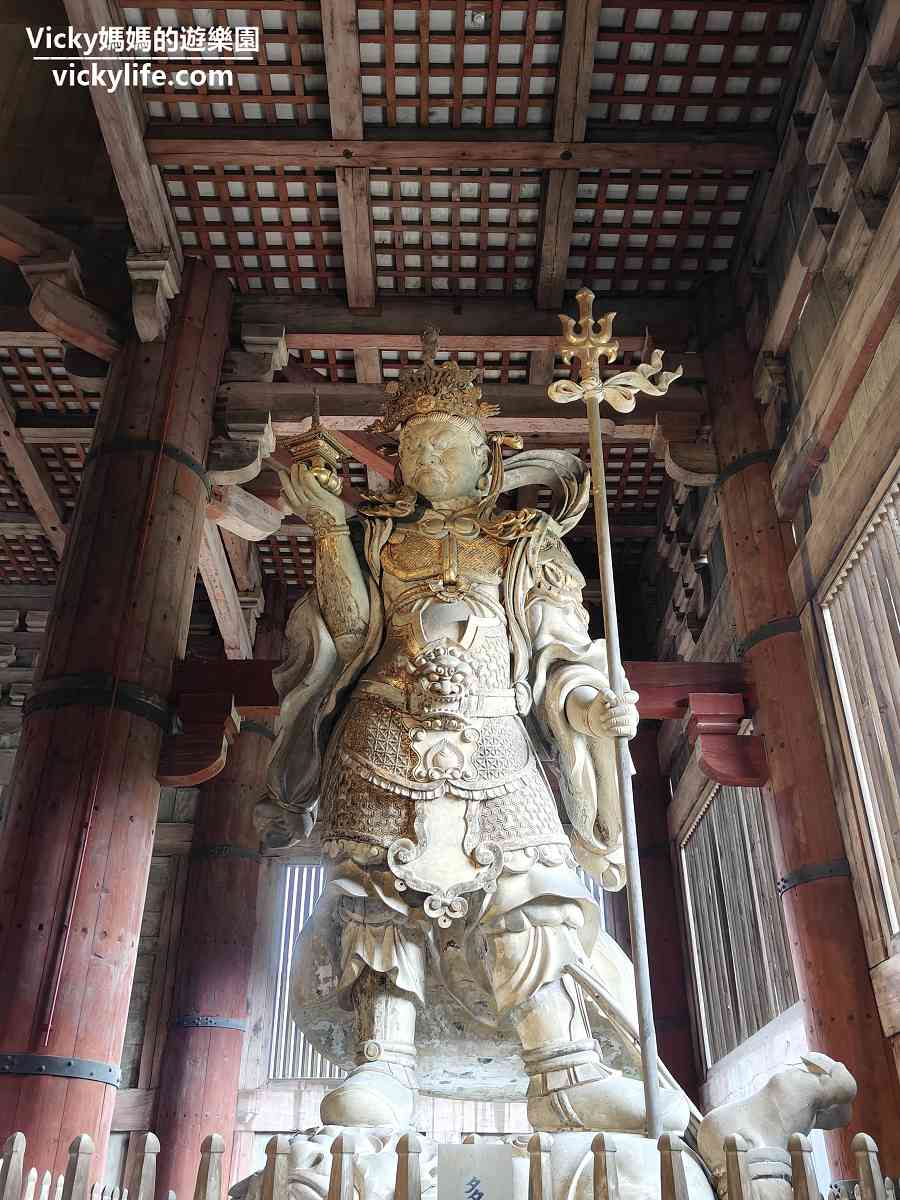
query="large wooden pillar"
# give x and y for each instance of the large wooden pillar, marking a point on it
(76, 847)
(201, 1064)
(671, 1009)
(820, 910)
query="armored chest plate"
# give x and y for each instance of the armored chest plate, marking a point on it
(411, 554)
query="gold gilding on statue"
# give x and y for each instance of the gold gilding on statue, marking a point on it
(317, 450)
(433, 388)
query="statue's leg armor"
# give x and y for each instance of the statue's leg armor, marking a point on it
(381, 1089)
(569, 1085)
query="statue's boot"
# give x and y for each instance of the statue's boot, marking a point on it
(569, 1087)
(382, 1088)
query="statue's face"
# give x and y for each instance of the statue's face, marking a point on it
(441, 460)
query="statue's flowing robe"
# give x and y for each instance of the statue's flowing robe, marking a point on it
(551, 654)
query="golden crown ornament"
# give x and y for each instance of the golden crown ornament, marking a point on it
(433, 388)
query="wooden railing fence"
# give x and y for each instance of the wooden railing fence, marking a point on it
(744, 1168)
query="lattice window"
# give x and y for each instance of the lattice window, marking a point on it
(438, 62)
(291, 1056)
(861, 619)
(283, 84)
(654, 231)
(470, 230)
(38, 382)
(686, 64)
(274, 229)
(741, 963)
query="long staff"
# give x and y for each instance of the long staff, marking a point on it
(589, 344)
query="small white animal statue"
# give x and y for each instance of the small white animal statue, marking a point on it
(816, 1093)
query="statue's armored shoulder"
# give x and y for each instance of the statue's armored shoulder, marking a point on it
(555, 574)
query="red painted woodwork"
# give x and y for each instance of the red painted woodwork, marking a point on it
(207, 694)
(210, 697)
(115, 606)
(822, 920)
(725, 755)
(209, 723)
(200, 1070)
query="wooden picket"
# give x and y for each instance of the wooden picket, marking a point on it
(745, 1168)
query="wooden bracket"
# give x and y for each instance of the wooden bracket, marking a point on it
(267, 341)
(240, 512)
(75, 320)
(155, 280)
(62, 269)
(725, 755)
(208, 724)
(679, 440)
(233, 460)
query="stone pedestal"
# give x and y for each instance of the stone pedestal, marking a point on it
(76, 847)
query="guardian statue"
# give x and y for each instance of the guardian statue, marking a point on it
(438, 678)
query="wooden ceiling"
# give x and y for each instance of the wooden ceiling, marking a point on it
(476, 127)
(379, 158)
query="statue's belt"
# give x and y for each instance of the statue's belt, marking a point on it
(505, 702)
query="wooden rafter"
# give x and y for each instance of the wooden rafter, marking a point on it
(223, 596)
(525, 408)
(22, 238)
(341, 41)
(687, 150)
(32, 474)
(156, 265)
(573, 94)
(324, 323)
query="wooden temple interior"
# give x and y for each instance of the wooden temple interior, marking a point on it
(183, 267)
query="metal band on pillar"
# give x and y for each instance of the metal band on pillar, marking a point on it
(66, 1068)
(810, 872)
(741, 464)
(96, 688)
(202, 1021)
(128, 445)
(769, 630)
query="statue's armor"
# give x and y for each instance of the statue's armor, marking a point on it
(435, 716)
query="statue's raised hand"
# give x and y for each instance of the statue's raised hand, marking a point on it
(309, 500)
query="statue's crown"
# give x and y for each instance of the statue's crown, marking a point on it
(434, 388)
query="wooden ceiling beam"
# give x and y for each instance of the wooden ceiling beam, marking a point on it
(525, 408)
(573, 96)
(22, 238)
(32, 474)
(18, 328)
(177, 146)
(340, 36)
(221, 589)
(325, 323)
(155, 264)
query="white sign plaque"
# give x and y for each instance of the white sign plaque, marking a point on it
(480, 1171)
